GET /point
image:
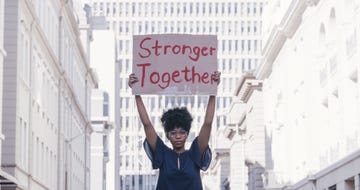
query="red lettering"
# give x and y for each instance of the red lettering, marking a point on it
(194, 74)
(165, 78)
(149, 47)
(157, 47)
(175, 75)
(212, 49)
(203, 51)
(152, 77)
(178, 49)
(184, 49)
(196, 50)
(204, 77)
(143, 65)
(186, 71)
(165, 48)
(146, 49)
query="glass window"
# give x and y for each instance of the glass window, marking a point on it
(235, 8)
(229, 8)
(178, 8)
(197, 8)
(223, 8)
(203, 8)
(184, 7)
(191, 8)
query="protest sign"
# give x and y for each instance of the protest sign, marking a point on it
(180, 64)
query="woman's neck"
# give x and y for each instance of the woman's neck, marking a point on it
(179, 150)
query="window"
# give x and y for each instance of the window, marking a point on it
(191, 8)
(230, 44)
(242, 27)
(172, 8)
(203, 8)
(178, 8)
(255, 29)
(235, 8)
(222, 8)
(139, 26)
(249, 65)
(184, 5)
(133, 8)
(229, 8)
(106, 104)
(236, 45)
(197, 8)
(216, 8)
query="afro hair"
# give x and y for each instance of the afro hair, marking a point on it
(176, 118)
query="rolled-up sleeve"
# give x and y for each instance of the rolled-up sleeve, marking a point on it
(204, 162)
(156, 157)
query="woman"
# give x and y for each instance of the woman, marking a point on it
(179, 168)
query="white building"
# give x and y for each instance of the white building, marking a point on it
(310, 75)
(102, 59)
(3, 175)
(46, 95)
(2, 55)
(237, 25)
(100, 139)
(243, 140)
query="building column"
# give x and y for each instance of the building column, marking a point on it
(237, 164)
(357, 182)
(341, 185)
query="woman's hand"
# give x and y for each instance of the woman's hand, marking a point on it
(216, 77)
(132, 80)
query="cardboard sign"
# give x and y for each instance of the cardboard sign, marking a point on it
(174, 64)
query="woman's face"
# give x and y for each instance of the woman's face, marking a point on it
(177, 137)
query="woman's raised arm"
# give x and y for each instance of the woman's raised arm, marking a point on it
(205, 131)
(150, 132)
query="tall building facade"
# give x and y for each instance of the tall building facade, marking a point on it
(315, 109)
(100, 139)
(2, 55)
(237, 25)
(99, 57)
(46, 95)
(310, 77)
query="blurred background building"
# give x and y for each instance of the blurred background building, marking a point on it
(102, 127)
(102, 59)
(307, 129)
(46, 86)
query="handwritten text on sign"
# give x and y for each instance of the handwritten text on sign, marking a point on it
(174, 64)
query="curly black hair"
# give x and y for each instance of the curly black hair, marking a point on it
(176, 117)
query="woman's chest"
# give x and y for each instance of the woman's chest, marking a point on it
(180, 165)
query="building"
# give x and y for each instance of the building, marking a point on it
(310, 75)
(243, 140)
(103, 61)
(47, 85)
(238, 28)
(99, 139)
(4, 177)
(2, 56)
